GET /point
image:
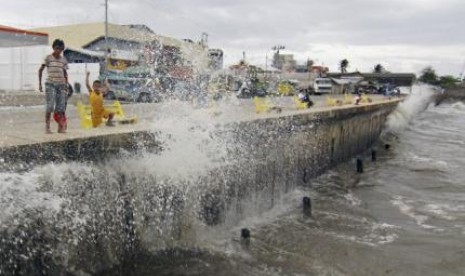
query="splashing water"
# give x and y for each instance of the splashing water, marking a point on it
(415, 103)
(72, 207)
(210, 170)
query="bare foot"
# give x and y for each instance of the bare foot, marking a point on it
(48, 131)
(61, 130)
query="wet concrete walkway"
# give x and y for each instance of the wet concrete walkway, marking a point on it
(22, 126)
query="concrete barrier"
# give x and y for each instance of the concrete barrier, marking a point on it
(128, 212)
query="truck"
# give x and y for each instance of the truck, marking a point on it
(322, 86)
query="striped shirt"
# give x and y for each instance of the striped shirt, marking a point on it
(55, 69)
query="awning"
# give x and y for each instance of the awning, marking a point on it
(13, 37)
(86, 52)
(346, 81)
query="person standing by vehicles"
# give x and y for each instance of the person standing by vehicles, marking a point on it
(55, 86)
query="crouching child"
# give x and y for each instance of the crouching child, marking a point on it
(96, 94)
(305, 98)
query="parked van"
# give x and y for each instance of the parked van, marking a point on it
(322, 86)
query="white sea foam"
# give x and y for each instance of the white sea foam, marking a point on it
(190, 145)
(352, 199)
(407, 208)
(459, 106)
(415, 103)
(422, 163)
(20, 192)
(439, 210)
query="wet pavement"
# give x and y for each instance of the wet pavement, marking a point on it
(23, 125)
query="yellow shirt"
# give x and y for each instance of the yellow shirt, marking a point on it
(98, 111)
(96, 103)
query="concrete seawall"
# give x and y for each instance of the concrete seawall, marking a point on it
(98, 146)
(126, 208)
(275, 155)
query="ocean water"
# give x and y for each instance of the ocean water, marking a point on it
(403, 216)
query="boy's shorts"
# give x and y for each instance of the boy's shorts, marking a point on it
(55, 97)
(98, 118)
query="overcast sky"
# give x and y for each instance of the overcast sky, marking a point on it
(402, 35)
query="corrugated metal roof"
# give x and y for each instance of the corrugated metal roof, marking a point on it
(80, 35)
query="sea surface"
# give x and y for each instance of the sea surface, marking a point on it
(405, 215)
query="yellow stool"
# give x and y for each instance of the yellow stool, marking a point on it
(265, 105)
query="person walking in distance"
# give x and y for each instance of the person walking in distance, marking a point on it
(55, 86)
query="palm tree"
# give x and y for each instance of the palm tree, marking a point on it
(379, 68)
(343, 65)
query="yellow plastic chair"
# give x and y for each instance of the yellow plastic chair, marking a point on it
(365, 99)
(331, 102)
(299, 105)
(285, 89)
(264, 105)
(348, 99)
(85, 114)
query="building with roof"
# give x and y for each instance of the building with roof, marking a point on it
(370, 82)
(15, 46)
(14, 37)
(125, 44)
(395, 79)
(87, 35)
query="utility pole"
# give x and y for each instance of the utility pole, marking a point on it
(278, 47)
(106, 34)
(276, 58)
(462, 75)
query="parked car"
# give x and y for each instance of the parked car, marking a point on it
(132, 88)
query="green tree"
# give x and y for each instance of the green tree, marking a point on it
(379, 68)
(343, 65)
(428, 75)
(448, 81)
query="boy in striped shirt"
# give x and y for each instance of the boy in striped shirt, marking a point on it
(55, 86)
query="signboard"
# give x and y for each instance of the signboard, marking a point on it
(124, 55)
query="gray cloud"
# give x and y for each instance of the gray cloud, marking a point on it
(326, 30)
